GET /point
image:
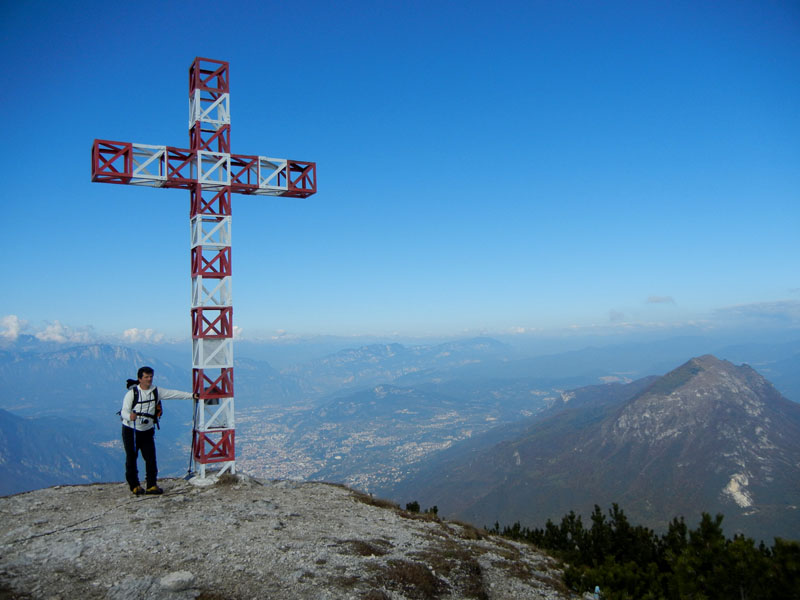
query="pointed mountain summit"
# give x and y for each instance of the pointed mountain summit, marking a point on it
(708, 436)
(703, 393)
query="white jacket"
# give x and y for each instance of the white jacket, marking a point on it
(147, 405)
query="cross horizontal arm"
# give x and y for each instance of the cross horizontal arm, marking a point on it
(170, 167)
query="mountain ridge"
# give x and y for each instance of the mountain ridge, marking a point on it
(708, 436)
(46, 451)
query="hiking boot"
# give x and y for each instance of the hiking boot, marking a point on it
(154, 490)
(137, 491)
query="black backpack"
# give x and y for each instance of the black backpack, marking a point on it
(132, 384)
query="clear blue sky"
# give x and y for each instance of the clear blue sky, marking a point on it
(482, 166)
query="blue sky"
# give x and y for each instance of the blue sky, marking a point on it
(482, 166)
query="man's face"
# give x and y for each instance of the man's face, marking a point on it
(145, 380)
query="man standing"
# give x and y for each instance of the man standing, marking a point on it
(141, 408)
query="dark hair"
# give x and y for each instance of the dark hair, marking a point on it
(143, 370)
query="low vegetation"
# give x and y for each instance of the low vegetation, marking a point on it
(227, 479)
(412, 579)
(368, 548)
(631, 561)
(369, 499)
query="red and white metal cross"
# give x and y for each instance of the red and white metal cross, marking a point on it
(211, 174)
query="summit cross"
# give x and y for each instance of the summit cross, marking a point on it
(211, 174)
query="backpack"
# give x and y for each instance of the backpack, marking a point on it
(132, 384)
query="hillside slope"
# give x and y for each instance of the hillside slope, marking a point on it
(42, 452)
(708, 436)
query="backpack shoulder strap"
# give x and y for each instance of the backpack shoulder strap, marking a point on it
(136, 395)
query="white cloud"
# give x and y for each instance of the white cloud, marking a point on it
(281, 335)
(11, 326)
(135, 334)
(660, 300)
(519, 330)
(57, 332)
(783, 311)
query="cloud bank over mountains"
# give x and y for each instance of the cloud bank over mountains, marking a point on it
(784, 312)
(135, 335)
(11, 327)
(779, 314)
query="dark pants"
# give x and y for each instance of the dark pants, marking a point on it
(134, 441)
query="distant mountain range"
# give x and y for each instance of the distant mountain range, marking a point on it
(707, 436)
(375, 364)
(82, 381)
(402, 420)
(43, 452)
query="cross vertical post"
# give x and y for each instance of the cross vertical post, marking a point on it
(213, 435)
(211, 174)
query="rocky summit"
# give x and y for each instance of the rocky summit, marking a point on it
(717, 435)
(245, 538)
(709, 436)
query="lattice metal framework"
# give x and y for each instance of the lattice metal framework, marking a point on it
(211, 174)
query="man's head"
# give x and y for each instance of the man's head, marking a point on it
(145, 376)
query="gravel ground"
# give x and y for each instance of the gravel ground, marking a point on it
(245, 538)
